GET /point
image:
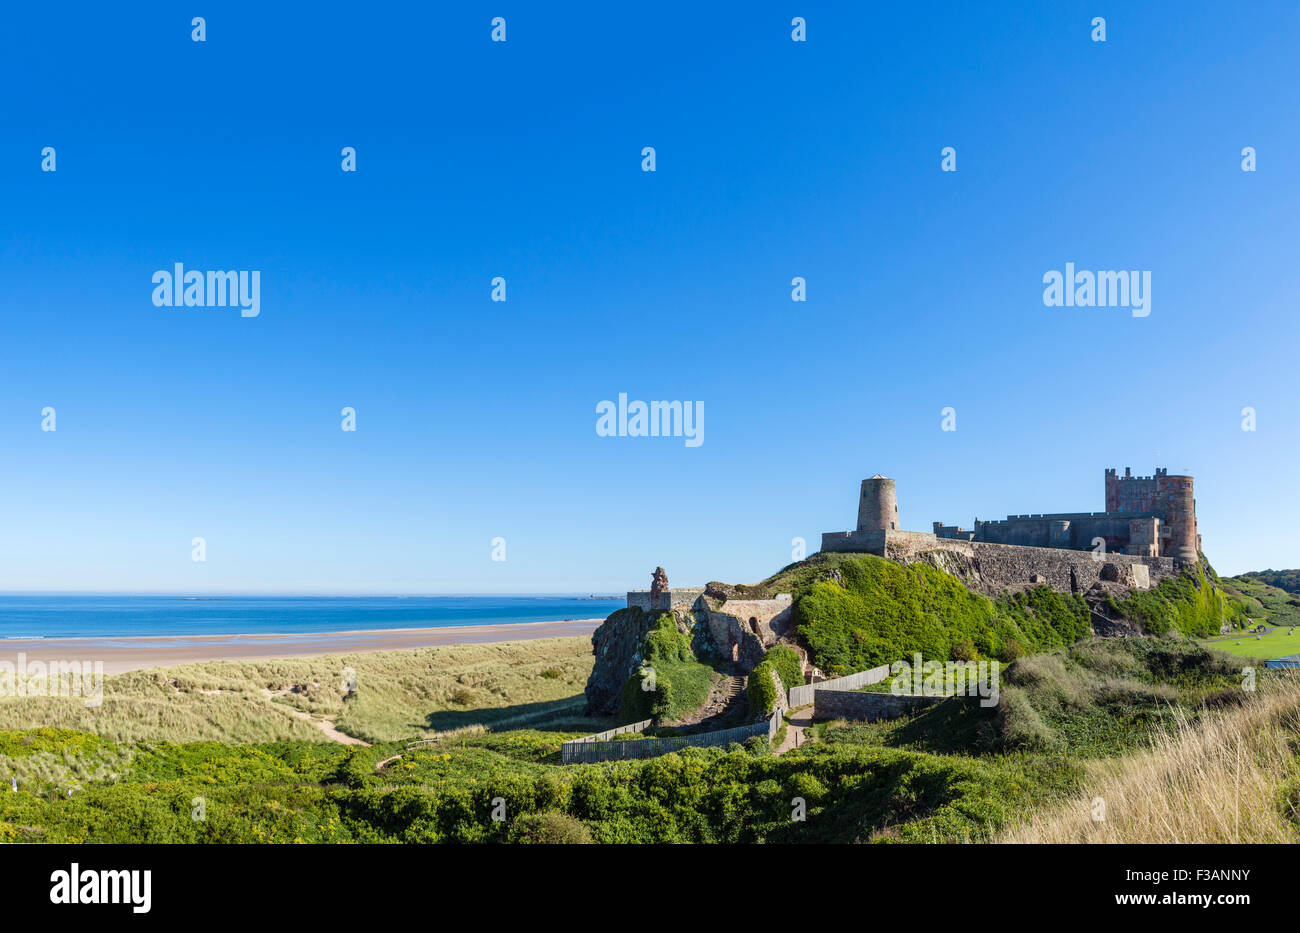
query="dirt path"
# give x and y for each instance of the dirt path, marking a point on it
(796, 729)
(324, 725)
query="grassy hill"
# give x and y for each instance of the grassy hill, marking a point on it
(1265, 602)
(875, 611)
(855, 611)
(1286, 580)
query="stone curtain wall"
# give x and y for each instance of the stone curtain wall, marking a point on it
(847, 704)
(680, 599)
(802, 696)
(591, 749)
(639, 599)
(869, 542)
(1003, 565)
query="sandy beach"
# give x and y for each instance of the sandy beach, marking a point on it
(138, 653)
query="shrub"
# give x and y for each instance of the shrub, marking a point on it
(1189, 603)
(760, 690)
(788, 664)
(549, 828)
(1020, 724)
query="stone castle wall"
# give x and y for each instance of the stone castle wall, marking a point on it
(996, 567)
(847, 704)
(743, 629)
(678, 599)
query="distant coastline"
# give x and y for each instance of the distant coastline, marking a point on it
(110, 616)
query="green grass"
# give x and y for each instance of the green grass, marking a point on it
(883, 611)
(953, 772)
(1275, 644)
(1193, 603)
(671, 682)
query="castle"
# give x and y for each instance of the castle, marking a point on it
(1147, 534)
(1146, 516)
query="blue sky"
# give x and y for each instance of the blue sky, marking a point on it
(775, 159)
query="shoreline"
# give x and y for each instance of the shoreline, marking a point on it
(120, 654)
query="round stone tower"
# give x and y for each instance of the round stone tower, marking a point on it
(1176, 506)
(878, 507)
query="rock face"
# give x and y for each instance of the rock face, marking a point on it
(659, 582)
(616, 645)
(735, 632)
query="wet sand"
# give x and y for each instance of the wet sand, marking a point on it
(138, 653)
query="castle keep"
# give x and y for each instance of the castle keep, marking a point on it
(1148, 516)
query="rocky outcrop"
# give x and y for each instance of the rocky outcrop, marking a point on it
(734, 632)
(617, 647)
(659, 582)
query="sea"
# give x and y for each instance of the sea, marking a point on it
(86, 616)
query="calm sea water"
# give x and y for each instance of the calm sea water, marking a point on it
(98, 616)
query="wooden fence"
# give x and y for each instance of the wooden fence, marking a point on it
(802, 696)
(593, 748)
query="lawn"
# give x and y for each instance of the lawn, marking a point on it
(1275, 644)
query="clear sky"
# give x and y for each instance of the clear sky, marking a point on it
(775, 159)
